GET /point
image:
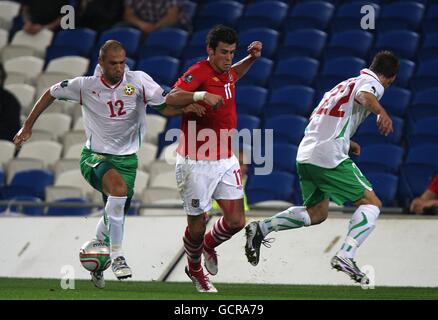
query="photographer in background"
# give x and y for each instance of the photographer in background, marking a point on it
(427, 203)
(9, 110)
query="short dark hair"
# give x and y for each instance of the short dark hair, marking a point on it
(110, 45)
(221, 33)
(385, 63)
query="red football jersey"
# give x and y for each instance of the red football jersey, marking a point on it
(202, 77)
(433, 187)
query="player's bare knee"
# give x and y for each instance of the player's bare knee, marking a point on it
(119, 189)
(197, 232)
(237, 224)
(318, 213)
(369, 198)
(317, 219)
(378, 203)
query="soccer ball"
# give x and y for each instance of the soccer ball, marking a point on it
(95, 256)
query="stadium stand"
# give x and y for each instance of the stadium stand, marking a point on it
(308, 46)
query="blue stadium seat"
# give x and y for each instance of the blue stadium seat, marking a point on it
(380, 158)
(429, 48)
(164, 42)
(163, 70)
(259, 73)
(275, 186)
(356, 43)
(246, 121)
(430, 21)
(212, 14)
(302, 42)
(414, 180)
(285, 157)
(314, 14)
(73, 42)
(36, 179)
(426, 76)
(423, 132)
(401, 15)
(403, 43)
(189, 8)
(129, 37)
(405, 73)
(290, 100)
(268, 37)
(349, 16)
(189, 62)
(54, 52)
(298, 70)
(10, 192)
(209, 1)
(250, 99)
(287, 128)
(69, 211)
(385, 186)
(396, 101)
(27, 210)
(196, 46)
(266, 14)
(424, 155)
(337, 70)
(2, 178)
(424, 105)
(368, 133)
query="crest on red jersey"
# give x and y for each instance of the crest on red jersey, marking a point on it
(188, 78)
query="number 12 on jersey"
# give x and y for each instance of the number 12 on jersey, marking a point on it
(120, 111)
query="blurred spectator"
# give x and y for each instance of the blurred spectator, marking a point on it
(99, 15)
(9, 109)
(427, 203)
(151, 15)
(41, 14)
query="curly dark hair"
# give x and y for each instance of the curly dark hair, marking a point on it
(221, 33)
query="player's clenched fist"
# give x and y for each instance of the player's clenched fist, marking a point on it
(213, 100)
(255, 49)
(384, 123)
(22, 135)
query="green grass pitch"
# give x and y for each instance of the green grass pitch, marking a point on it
(50, 289)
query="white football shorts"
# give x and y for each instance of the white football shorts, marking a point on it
(201, 181)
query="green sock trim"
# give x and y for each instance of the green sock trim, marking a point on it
(360, 224)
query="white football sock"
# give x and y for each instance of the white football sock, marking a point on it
(291, 218)
(362, 223)
(102, 232)
(116, 218)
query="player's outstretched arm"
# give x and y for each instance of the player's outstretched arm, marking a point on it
(370, 102)
(254, 51)
(26, 130)
(180, 97)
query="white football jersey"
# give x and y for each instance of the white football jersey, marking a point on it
(334, 121)
(114, 116)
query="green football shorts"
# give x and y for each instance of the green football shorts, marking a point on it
(341, 184)
(95, 165)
